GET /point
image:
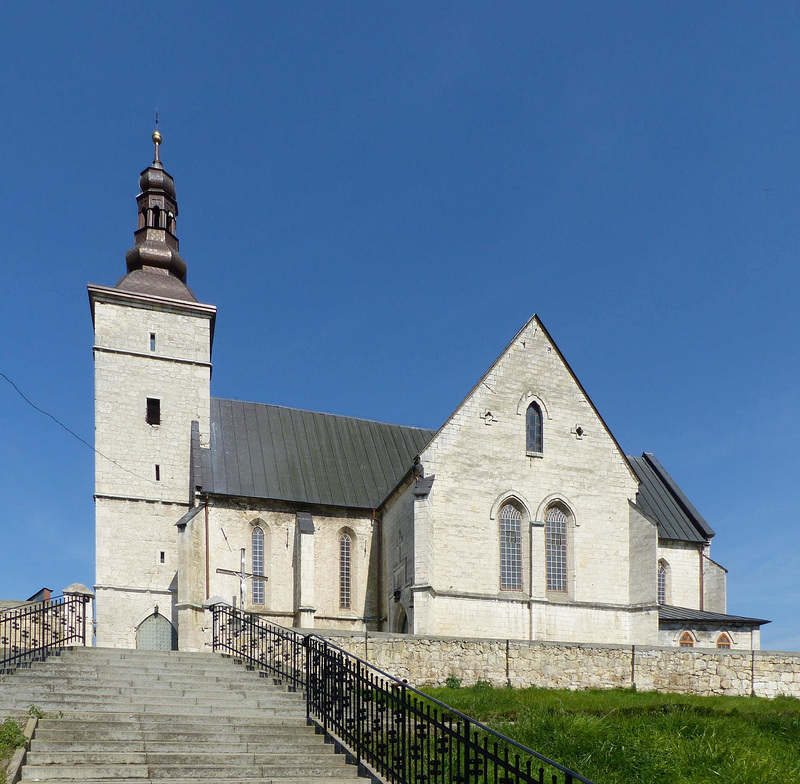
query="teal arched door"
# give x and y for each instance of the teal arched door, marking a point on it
(156, 633)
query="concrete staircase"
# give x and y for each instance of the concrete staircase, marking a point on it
(123, 715)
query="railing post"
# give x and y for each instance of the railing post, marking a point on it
(307, 646)
(404, 733)
(466, 750)
(325, 686)
(85, 610)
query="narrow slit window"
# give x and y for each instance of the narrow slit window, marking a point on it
(158, 473)
(162, 556)
(533, 429)
(510, 549)
(153, 416)
(258, 565)
(556, 549)
(152, 341)
(344, 572)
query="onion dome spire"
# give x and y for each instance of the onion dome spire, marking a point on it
(155, 265)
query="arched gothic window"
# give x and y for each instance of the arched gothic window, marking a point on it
(555, 532)
(723, 641)
(686, 640)
(258, 565)
(533, 429)
(662, 582)
(510, 548)
(344, 571)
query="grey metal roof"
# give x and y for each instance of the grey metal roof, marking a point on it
(264, 451)
(669, 613)
(662, 500)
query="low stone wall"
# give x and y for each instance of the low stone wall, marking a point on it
(429, 661)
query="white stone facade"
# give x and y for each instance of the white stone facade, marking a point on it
(480, 463)
(506, 524)
(427, 562)
(145, 348)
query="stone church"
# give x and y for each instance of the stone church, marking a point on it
(521, 517)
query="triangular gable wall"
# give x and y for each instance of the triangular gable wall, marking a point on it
(537, 322)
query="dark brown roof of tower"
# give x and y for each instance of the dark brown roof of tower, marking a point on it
(155, 265)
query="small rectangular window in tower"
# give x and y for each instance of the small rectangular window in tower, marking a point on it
(158, 472)
(153, 411)
(152, 341)
(162, 556)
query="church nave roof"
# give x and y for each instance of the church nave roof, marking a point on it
(266, 451)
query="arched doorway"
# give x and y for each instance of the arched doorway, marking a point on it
(156, 633)
(400, 623)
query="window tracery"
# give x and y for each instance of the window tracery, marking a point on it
(556, 549)
(663, 581)
(257, 551)
(533, 429)
(510, 548)
(345, 571)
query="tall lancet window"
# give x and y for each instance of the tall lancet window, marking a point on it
(344, 571)
(533, 429)
(555, 532)
(662, 583)
(510, 548)
(258, 565)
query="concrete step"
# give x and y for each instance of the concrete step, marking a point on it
(147, 726)
(139, 654)
(288, 745)
(153, 716)
(162, 690)
(141, 696)
(176, 679)
(156, 722)
(125, 678)
(140, 673)
(209, 712)
(300, 768)
(172, 661)
(194, 757)
(345, 779)
(128, 676)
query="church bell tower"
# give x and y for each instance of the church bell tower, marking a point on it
(152, 360)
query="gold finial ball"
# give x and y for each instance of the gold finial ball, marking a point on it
(156, 137)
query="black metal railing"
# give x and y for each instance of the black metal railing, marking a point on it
(390, 728)
(33, 632)
(261, 644)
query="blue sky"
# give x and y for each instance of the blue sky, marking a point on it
(377, 196)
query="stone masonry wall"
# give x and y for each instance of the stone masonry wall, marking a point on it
(480, 461)
(429, 661)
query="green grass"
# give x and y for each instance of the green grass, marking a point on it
(11, 739)
(622, 736)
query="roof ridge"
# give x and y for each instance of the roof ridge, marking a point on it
(324, 413)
